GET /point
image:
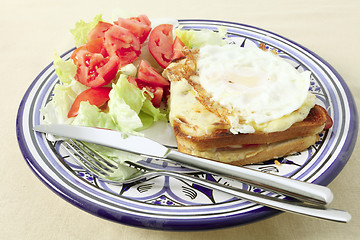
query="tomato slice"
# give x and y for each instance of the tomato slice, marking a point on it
(160, 44)
(143, 19)
(140, 27)
(95, 96)
(121, 42)
(178, 46)
(99, 30)
(156, 91)
(158, 95)
(74, 55)
(93, 69)
(96, 46)
(148, 74)
(93, 46)
(133, 81)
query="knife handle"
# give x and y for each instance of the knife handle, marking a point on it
(280, 204)
(304, 191)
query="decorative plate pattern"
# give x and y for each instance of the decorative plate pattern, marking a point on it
(167, 203)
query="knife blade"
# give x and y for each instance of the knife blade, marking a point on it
(303, 191)
(106, 137)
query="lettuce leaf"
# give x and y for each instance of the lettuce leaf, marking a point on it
(65, 70)
(82, 29)
(91, 116)
(64, 93)
(197, 39)
(125, 104)
(127, 92)
(150, 114)
(155, 113)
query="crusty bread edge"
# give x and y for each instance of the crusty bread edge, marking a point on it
(251, 155)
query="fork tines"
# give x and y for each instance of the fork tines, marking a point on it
(89, 159)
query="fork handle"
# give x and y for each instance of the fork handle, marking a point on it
(304, 191)
(276, 203)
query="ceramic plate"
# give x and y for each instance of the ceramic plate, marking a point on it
(167, 203)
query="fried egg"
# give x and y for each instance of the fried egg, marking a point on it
(256, 87)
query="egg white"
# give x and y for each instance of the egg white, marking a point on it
(255, 86)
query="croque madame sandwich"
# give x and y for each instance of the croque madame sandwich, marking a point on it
(241, 105)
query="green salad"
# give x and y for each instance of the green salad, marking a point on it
(113, 78)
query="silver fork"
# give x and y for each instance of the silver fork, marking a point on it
(103, 168)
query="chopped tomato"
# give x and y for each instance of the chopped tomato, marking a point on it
(98, 31)
(158, 94)
(148, 74)
(140, 27)
(160, 44)
(121, 42)
(74, 55)
(93, 69)
(93, 46)
(95, 96)
(143, 19)
(96, 46)
(178, 46)
(133, 81)
(156, 91)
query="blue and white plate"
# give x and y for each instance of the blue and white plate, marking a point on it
(167, 203)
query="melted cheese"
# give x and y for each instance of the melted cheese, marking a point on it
(185, 108)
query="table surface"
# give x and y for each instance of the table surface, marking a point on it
(31, 31)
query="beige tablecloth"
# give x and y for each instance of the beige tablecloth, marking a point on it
(30, 32)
